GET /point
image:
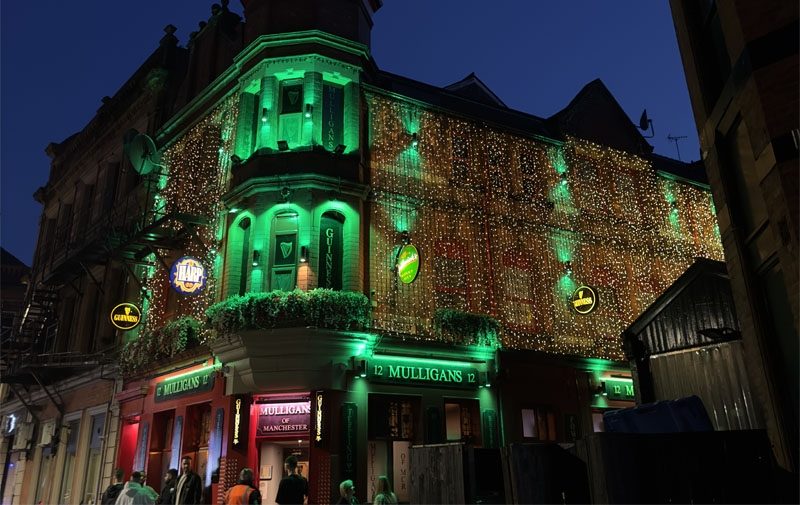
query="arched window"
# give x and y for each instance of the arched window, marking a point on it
(283, 257)
(330, 250)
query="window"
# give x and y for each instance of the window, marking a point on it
(393, 417)
(458, 175)
(244, 225)
(451, 268)
(462, 421)
(93, 462)
(73, 430)
(290, 122)
(283, 253)
(539, 423)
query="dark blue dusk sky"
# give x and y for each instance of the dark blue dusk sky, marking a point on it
(59, 58)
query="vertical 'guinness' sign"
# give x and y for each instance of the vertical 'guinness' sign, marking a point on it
(330, 252)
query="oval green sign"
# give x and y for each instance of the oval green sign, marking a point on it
(407, 264)
(584, 300)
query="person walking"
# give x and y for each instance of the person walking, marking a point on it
(167, 495)
(244, 492)
(109, 496)
(134, 493)
(347, 493)
(384, 494)
(293, 488)
(189, 490)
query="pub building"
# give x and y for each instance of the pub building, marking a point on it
(341, 263)
(478, 263)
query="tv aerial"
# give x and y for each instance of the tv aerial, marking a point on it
(141, 152)
(676, 139)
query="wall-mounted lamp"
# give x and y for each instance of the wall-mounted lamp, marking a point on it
(414, 139)
(236, 160)
(568, 267)
(256, 257)
(361, 368)
(564, 179)
(303, 254)
(405, 237)
(674, 205)
(340, 149)
(483, 380)
(283, 145)
(309, 110)
(264, 114)
(233, 210)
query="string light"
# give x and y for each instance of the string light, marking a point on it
(198, 171)
(500, 228)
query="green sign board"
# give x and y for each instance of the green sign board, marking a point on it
(407, 263)
(425, 373)
(184, 385)
(619, 389)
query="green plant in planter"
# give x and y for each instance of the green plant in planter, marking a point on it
(466, 328)
(174, 337)
(325, 308)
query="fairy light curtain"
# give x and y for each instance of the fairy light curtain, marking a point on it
(197, 175)
(510, 226)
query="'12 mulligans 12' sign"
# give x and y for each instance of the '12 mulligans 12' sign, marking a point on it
(184, 385)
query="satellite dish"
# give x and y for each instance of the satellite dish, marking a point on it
(644, 123)
(142, 154)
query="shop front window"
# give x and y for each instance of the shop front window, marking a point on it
(539, 423)
(462, 421)
(73, 430)
(93, 459)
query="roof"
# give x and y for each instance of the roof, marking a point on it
(472, 88)
(468, 97)
(697, 309)
(9, 260)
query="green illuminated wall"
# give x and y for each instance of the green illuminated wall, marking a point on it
(260, 123)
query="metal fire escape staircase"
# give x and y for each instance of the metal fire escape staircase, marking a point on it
(130, 231)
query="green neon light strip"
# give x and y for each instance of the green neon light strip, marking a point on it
(216, 366)
(432, 361)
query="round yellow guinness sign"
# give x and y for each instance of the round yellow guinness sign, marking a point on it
(126, 316)
(583, 300)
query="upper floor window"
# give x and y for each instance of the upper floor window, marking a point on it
(290, 121)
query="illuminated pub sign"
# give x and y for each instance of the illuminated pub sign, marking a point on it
(330, 252)
(284, 418)
(188, 276)
(407, 263)
(583, 300)
(187, 384)
(619, 389)
(126, 316)
(411, 371)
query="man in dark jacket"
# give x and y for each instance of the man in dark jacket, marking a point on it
(293, 488)
(167, 495)
(109, 496)
(189, 490)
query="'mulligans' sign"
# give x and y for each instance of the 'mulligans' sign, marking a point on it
(198, 382)
(423, 373)
(332, 117)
